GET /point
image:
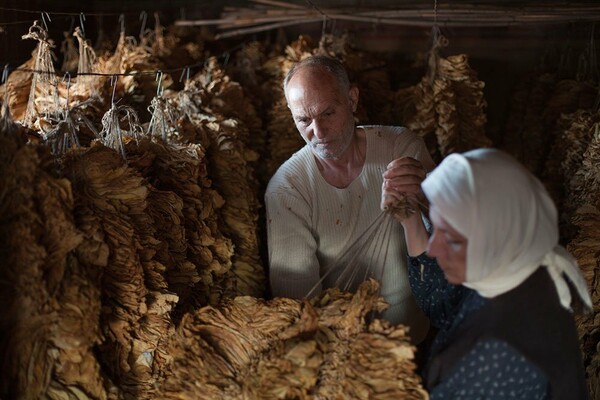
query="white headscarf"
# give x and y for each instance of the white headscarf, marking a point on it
(509, 220)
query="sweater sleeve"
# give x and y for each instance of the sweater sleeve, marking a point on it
(438, 299)
(493, 370)
(293, 265)
(412, 145)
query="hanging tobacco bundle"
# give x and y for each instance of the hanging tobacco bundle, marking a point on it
(164, 118)
(227, 98)
(369, 73)
(112, 134)
(112, 202)
(244, 67)
(69, 52)
(87, 64)
(129, 58)
(197, 266)
(574, 133)
(460, 106)
(15, 91)
(210, 100)
(584, 193)
(449, 103)
(43, 95)
(51, 300)
(532, 140)
(63, 136)
(233, 177)
(163, 45)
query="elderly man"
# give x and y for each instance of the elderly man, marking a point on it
(322, 201)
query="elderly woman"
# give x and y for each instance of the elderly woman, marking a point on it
(494, 281)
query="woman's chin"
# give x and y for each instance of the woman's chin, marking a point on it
(453, 279)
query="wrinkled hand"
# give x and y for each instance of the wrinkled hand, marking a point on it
(401, 189)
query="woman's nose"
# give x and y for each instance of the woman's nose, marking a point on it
(433, 245)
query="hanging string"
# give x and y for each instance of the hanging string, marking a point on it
(438, 41)
(67, 74)
(369, 249)
(63, 136)
(436, 33)
(112, 135)
(163, 113)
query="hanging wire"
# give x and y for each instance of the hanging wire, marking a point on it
(81, 20)
(4, 111)
(44, 16)
(28, 21)
(310, 3)
(74, 14)
(113, 82)
(159, 78)
(122, 22)
(184, 69)
(67, 75)
(72, 25)
(143, 18)
(595, 74)
(5, 74)
(435, 28)
(186, 72)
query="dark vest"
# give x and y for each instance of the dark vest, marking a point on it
(531, 319)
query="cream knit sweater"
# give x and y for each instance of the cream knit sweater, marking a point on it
(312, 226)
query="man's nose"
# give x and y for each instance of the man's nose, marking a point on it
(318, 130)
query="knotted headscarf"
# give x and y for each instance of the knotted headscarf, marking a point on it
(509, 220)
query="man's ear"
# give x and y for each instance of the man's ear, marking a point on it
(354, 98)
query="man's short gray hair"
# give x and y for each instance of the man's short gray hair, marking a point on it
(330, 64)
